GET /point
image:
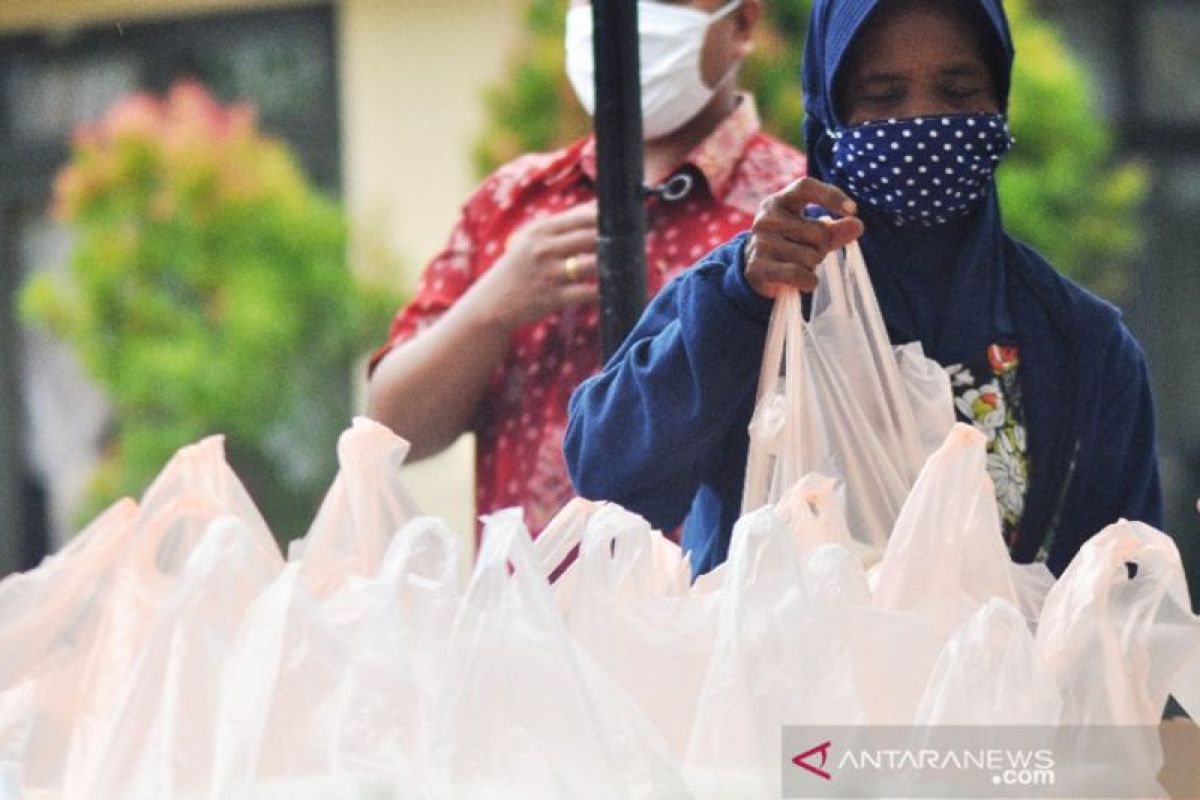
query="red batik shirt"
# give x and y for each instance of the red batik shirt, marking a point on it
(519, 426)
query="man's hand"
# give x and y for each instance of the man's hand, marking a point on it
(547, 265)
(785, 247)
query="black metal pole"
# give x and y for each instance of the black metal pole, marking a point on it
(621, 248)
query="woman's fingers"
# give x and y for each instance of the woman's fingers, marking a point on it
(805, 192)
(799, 230)
(843, 231)
(805, 257)
(781, 260)
(773, 275)
(786, 245)
(773, 262)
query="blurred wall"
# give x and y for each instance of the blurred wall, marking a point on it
(1145, 59)
(22, 15)
(412, 82)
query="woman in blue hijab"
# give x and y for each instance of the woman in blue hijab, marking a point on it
(905, 125)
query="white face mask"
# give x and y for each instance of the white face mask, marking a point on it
(670, 40)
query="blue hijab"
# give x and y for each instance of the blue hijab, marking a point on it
(942, 286)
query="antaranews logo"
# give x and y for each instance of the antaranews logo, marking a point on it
(802, 760)
(968, 761)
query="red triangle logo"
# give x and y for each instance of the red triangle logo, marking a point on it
(802, 760)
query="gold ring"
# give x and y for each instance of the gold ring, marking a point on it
(571, 268)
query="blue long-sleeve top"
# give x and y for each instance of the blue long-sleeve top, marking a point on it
(662, 429)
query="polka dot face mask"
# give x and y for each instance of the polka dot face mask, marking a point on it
(924, 171)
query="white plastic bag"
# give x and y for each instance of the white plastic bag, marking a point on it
(946, 557)
(777, 660)
(634, 615)
(892, 652)
(1117, 629)
(990, 674)
(396, 629)
(35, 606)
(49, 619)
(848, 405)
(558, 546)
(1117, 633)
(288, 689)
(195, 492)
(366, 504)
(523, 712)
(812, 510)
(944, 561)
(1032, 582)
(159, 740)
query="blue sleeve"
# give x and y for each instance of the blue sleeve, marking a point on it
(649, 427)
(1116, 463)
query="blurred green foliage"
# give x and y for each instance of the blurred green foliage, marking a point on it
(208, 293)
(1062, 189)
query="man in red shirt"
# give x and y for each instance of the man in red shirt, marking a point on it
(504, 323)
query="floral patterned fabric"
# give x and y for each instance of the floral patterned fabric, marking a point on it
(520, 426)
(987, 395)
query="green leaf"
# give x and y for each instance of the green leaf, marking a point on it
(209, 293)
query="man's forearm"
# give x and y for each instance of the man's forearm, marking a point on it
(429, 388)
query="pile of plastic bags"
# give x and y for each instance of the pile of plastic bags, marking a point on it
(171, 652)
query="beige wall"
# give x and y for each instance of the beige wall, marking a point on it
(20, 15)
(413, 75)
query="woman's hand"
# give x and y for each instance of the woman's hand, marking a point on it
(547, 265)
(785, 246)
